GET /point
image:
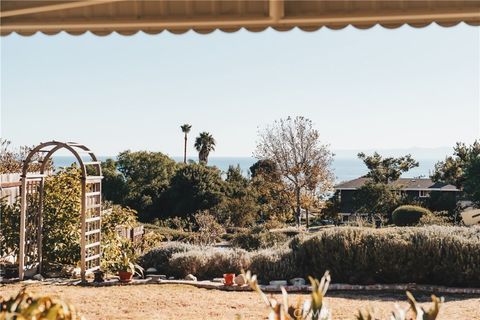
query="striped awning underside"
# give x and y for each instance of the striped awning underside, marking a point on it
(127, 17)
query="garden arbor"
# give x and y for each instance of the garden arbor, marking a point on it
(32, 200)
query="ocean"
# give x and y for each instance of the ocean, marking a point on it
(344, 168)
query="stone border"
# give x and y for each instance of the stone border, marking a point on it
(266, 288)
(301, 289)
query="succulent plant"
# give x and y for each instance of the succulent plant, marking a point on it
(25, 306)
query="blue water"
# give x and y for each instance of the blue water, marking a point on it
(343, 168)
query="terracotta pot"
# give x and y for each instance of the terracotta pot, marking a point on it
(228, 278)
(125, 276)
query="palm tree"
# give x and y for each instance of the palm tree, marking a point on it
(185, 129)
(204, 144)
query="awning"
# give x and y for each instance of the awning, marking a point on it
(128, 17)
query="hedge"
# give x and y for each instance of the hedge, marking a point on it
(423, 255)
(409, 215)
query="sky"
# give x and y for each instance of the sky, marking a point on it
(364, 89)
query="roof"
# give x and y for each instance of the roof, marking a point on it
(127, 17)
(407, 184)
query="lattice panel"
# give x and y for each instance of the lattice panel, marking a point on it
(32, 223)
(93, 225)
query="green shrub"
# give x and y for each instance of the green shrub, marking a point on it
(209, 230)
(259, 238)
(275, 264)
(435, 219)
(158, 258)
(209, 262)
(428, 255)
(408, 215)
(169, 234)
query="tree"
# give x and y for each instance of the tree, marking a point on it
(303, 162)
(186, 130)
(272, 193)
(378, 195)
(239, 207)
(377, 198)
(266, 168)
(385, 170)
(147, 175)
(11, 161)
(114, 184)
(194, 187)
(462, 170)
(205, 143)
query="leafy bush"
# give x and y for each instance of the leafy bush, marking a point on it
(112, 244)
(61, 217)
(208, 263)
(408, 215)
(9, 228)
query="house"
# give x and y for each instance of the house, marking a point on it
(433, 195)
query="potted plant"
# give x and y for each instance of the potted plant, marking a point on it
(127, 268)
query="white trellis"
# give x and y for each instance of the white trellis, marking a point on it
(31, 221)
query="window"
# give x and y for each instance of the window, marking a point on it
(424, 193)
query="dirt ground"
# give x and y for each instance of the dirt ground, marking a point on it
(170, 301)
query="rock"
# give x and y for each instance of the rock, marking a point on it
(38, 277)
(278, 283)
(30, 273)
(54, 274)
(157, 277)
(190, 277)
(297, 282)
(171, 278)
(151, 270)
(76, 273)
(240, 280)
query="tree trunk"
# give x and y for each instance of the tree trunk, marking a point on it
(299, 217)
(185, 150)
(306, 211)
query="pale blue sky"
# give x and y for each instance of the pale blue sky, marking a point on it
(364, 89)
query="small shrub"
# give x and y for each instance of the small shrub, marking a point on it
(275, 264)
(435, 218)
(168, 233)
(151, 240)
(208, 263)
(408, 215)
(209, 230)
(259, 238)
(158, 258)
